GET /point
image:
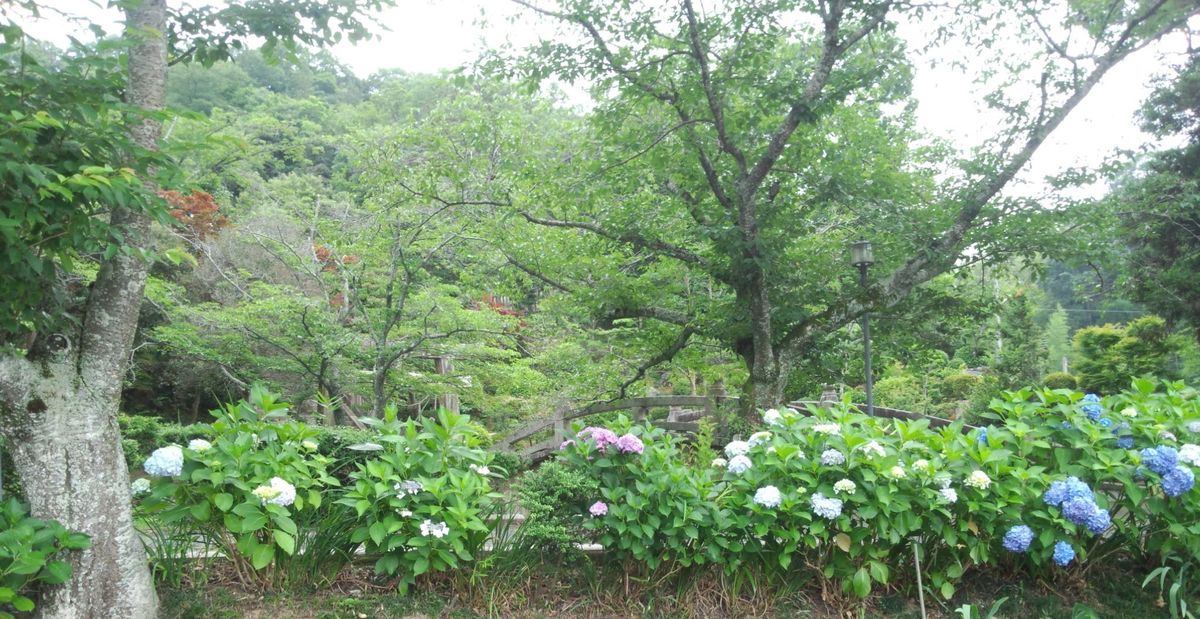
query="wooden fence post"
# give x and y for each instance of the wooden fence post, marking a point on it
(445, 367)
(560, 422)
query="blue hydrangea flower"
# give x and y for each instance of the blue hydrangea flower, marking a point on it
(1091, 397)
(1018, 538)
(1064, 490)
(1063, 553)
(982, 437)
(1079, 510)
(1124, 436)
(1091, 406)
(1106, 422)
(1160, 459)
(1178, 480)
(1099, 521)
(165, 462)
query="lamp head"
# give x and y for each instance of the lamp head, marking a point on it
(861, 254)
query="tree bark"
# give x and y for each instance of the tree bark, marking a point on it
(66, 450)
(58, 407)
(379, 386)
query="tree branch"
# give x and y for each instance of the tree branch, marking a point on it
(706, 83)
(631, 238)
(536, 274)
(941, 253)
(801, 110)
(663, 356)
(656, 313)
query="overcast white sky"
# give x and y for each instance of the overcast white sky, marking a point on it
(430, 35)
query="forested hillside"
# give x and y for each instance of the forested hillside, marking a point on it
(276, 324)
(342, 235)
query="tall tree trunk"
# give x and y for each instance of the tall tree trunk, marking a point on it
(379, 386)
(58, 407)
(764, 386)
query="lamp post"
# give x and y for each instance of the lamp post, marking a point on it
(862, 257)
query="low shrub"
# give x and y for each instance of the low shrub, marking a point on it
(424, 503)
(1061, 380)
(960, 386)
(31, 556)
(554, 496)
(508, 463)
(140, 435)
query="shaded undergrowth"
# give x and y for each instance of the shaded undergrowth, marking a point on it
(579, 587)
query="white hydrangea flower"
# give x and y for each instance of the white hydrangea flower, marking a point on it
(845, 486)
(139, 487)
(758, 438)
(277, 492)
(1190, 453)
(480, 470)
(309, 445)
(921, 466)
(739, 464)
(165, 462)
(948, 495)
(772, 417)
(898, 472)
(720, 462)
(943, 480)
(873, 448)
(405, 513)
(979, 480)
(199, 444)
(1194, 427)
(827, 428)
(832, 457)
(737, 448)
(438, 530)
(768, 496)
(1129, 411)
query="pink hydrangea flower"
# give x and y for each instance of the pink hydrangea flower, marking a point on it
(599, 508)
(629, 443)
(603, 437)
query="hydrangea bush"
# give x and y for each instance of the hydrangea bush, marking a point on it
(250, 492)
(424, 504)
(1059, 476)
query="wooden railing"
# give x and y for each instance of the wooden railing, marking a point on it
(684, 413)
